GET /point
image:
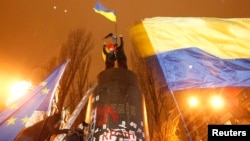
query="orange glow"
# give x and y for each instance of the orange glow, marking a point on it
(89, 107)
(145, 119)
(17, 90)
(217, 102)
(193, 101)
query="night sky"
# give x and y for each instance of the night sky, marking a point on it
(32, 31)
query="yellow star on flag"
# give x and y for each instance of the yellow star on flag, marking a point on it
(11, 121)
(25, 119)
(45, 91)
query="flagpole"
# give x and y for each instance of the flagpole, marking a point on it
(115, 22)
(115, 28)
(57, 84)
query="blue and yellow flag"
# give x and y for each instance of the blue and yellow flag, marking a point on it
(15, 116)
(109, 14)
(197, 52)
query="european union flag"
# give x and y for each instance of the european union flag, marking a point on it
(109, 14)
(15, 116)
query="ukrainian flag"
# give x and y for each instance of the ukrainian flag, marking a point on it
(109, 14)
(197, 52)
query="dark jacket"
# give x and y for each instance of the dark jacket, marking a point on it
(109, 58)
(120, 55)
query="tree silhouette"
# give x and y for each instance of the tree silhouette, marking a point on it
(158, 100)
(74, 82)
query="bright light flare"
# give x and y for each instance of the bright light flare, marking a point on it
(217, 102)
(193, 101)
(17, 90)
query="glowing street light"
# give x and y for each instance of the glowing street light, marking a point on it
(17, 90)
(217, 102)
(193, 101)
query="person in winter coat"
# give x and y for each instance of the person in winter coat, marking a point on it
(81, 133)
(120, 54)
(116, 51)
(110, 57)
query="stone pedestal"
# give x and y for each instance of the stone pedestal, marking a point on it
(116, 107)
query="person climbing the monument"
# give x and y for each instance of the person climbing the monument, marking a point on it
(109, 55)
(120, 54)
(115, 52)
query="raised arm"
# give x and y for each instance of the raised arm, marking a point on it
(121, 40)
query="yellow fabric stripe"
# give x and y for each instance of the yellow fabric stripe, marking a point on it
(224, 38)
(109, 15)
(140, 40)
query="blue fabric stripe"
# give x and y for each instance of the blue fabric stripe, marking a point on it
(99, 7)
(193, 68)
